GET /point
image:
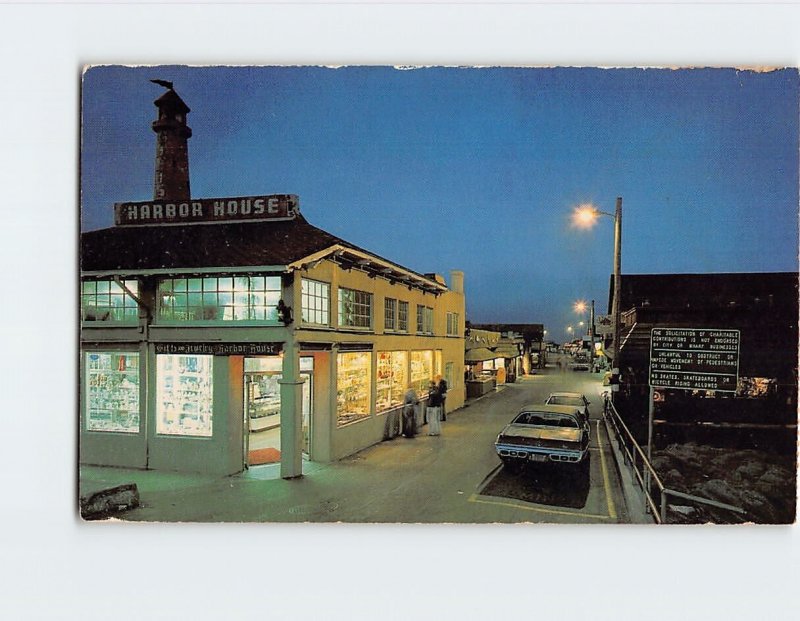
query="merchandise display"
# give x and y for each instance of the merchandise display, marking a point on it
(353, 386)
(421, 371)
(184, 395)
(391, 379)
(112, 391)
(263, 394)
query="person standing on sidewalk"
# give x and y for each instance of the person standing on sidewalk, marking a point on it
(409, 413)
(434, 411)
(441, 386)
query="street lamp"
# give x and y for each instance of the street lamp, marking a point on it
(585, 216)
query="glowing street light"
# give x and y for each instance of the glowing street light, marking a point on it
(580, 307)
(585, 216)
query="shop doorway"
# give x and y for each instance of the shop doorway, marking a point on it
(262, 407)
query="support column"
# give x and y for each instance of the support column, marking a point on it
(291, 413)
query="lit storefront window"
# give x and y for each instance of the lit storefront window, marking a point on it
(421, 371)
(112, 391)
(353, 386)
(315, 301)
(223, 298)
(392, 379)
(184, 395)
(105, 300)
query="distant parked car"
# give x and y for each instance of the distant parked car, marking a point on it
(545, 434)
(580, 362)
(570, 398)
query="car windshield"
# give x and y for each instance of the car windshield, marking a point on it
(546, 419)
(560, 400)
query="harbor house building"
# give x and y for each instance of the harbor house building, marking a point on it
(222, 333)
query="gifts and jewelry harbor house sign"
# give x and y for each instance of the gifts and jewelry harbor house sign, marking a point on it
(694, 359)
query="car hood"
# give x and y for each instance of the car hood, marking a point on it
(565, 434)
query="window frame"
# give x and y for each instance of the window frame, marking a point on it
(128, 306)
(402, 316)
(390, 312)
(366, 302)
(198, 296)
(424, 319)
(91, 424)
(453, 320)
(308, 296)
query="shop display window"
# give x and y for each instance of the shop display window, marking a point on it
(355, 308)
(184, 395)
(112, 391)
(315, 301)
(220, 298)
(449, 377)
(105, 300)
(421, 371)
(392, 379)
(353, 387)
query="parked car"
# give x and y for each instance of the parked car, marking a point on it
(580, 362)
(570, 398)
(545, 434)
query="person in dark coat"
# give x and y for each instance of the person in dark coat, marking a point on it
(409, 413)
(434, 410)
(441, 386)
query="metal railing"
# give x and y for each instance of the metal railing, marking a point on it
(656, 495)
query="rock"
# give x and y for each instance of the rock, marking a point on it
(777, 477)
(108, 501)
(717, 489)
(684, 454)
(674, 480)
(749, 470)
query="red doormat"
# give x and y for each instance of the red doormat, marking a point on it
(263, 456)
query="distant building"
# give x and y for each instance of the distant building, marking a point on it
(763, 308)
(522, 344)
(210, 325)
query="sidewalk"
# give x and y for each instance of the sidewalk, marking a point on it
(427, 479)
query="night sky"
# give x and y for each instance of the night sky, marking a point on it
(479, 169)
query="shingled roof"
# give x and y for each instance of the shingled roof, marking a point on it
(234, 244)
(273, 243)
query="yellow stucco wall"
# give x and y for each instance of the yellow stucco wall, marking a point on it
(357, 435)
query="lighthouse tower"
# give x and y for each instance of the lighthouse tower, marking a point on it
(172, 148)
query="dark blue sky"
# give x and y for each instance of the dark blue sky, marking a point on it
(479, 169)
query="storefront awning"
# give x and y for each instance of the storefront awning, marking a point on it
(478, 354)
(506, 351)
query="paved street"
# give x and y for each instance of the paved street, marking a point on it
(452, 478)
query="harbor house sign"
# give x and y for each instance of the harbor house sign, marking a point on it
(270, 207)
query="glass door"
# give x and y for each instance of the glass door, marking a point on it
(262, 407)
(308, 391)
